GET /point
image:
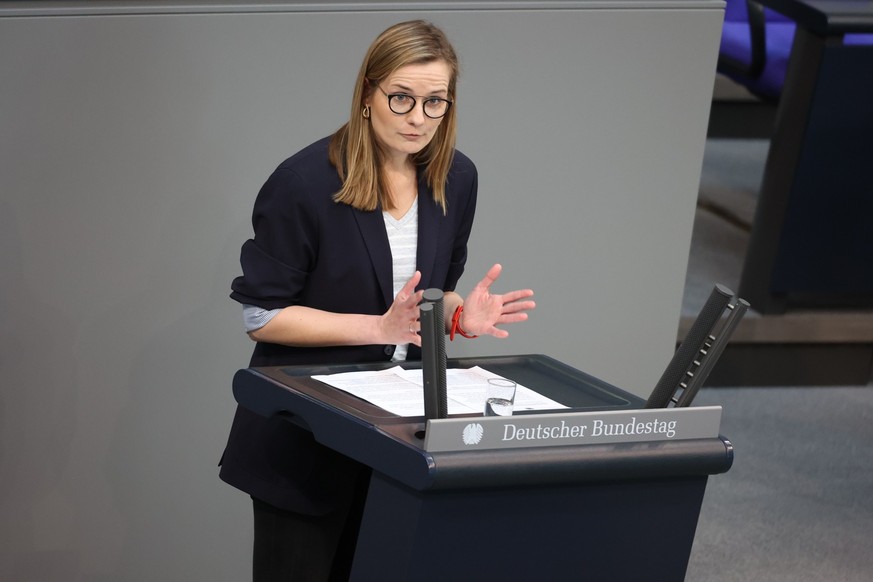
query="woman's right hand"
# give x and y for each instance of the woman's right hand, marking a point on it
(400, 324)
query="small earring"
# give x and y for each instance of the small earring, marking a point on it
(366, 112)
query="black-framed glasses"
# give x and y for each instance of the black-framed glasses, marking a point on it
(402, 103)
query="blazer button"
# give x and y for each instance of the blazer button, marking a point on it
(389, 350)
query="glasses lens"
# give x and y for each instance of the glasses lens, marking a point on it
(400, 103)
(436, 107)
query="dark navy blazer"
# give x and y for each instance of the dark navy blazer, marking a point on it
(309, 250)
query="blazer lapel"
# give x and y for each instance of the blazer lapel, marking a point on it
(372, 227)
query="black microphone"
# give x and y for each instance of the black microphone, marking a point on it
(433, 354)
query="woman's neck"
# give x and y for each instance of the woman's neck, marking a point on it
(402, 185)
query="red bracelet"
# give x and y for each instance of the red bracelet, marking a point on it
(456, 325)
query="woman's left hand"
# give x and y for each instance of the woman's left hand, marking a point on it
(484, 311)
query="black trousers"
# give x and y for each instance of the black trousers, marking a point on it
(290, 546)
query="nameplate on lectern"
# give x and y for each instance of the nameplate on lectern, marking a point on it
(572, 428)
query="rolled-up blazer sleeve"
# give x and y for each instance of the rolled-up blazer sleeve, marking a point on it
(277, 262)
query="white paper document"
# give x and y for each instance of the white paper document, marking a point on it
(401, 392)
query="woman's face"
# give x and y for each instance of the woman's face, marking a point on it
(401, 135)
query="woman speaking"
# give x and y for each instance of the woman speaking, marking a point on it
(347, 234)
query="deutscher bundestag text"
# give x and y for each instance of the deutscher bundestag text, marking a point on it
(596, 428)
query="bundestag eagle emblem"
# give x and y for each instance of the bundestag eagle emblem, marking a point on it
(473, 433)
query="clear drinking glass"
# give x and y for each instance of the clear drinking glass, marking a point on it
(499, 397)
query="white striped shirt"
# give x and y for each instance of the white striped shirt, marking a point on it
(403, 239)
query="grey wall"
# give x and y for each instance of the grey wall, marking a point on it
(133, 140)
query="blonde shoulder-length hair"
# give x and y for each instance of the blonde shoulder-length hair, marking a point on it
(353, 150)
